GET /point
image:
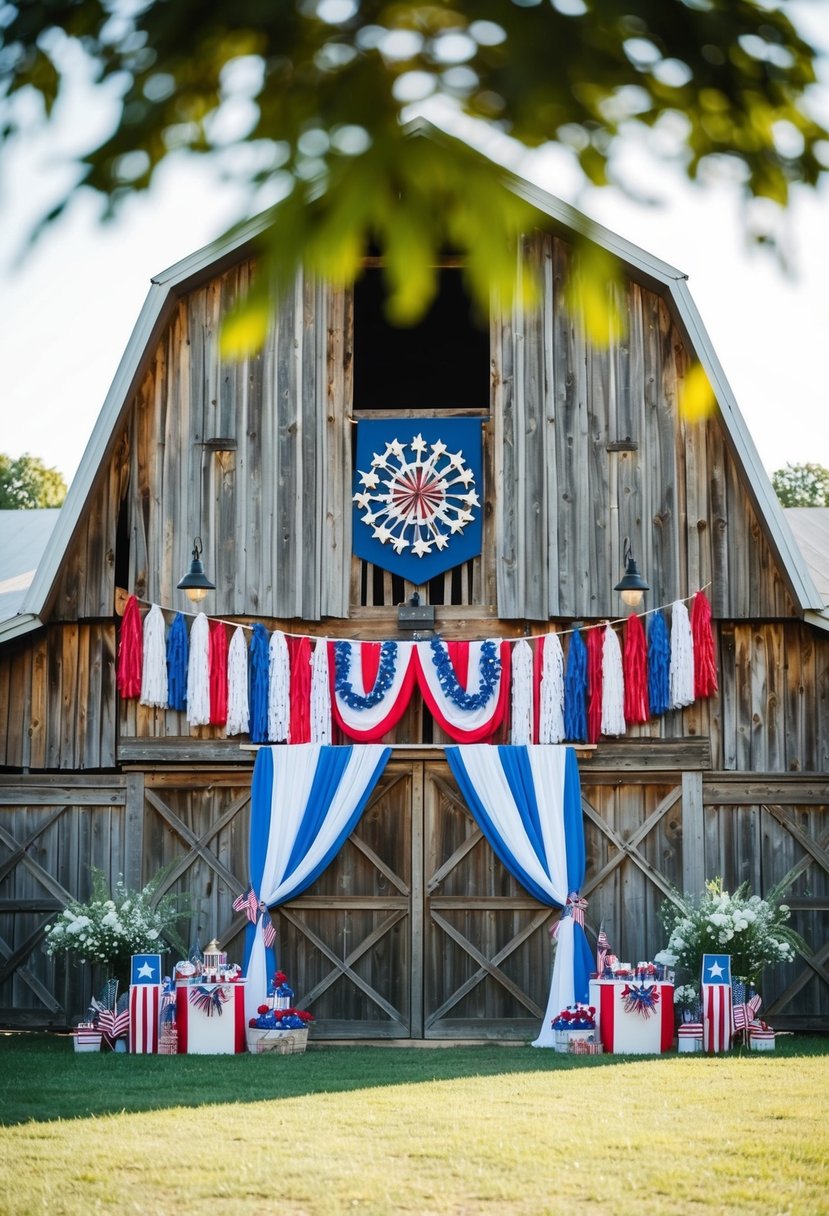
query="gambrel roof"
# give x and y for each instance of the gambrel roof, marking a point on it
(168, 286)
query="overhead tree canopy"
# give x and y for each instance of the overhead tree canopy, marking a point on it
(26, 483)
(302, 100)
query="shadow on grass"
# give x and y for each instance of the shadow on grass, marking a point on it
(42, 1078)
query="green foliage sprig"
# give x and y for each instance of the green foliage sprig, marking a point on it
(752, 930)
(113, 925)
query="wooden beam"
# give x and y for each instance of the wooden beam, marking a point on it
(693, 833)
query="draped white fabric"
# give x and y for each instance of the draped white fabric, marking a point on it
(460, 719)
(294, 851)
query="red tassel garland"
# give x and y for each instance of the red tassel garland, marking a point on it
(538, 669)
(217, 662)
(595, 645)
(300, 728)
(635, 667)
(705, 665)
(130, 651)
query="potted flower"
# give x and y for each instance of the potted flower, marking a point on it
(687, 1002)
(575, 1022)
(279, 1027)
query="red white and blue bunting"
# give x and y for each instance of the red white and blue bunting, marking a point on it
(294, 689)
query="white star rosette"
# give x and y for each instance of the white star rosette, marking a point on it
(416, 502)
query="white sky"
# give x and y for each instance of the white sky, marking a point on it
(67, 310)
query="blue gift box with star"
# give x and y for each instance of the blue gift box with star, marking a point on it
(146, 969)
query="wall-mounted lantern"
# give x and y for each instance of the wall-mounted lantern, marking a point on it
(195, 583)
(631, 585)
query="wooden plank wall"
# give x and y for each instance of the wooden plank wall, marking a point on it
(271, 503)
(569, 496)
(640, 836)
(58, 704)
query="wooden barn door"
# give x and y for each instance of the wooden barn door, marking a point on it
(416, 930)
(487, 957)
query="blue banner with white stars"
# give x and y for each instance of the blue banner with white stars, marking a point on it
(418, 495)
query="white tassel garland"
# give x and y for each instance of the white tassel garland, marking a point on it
(320, 694)
(238, 706)
(522, 693)
(198, 673)
(154, 672)
(551, 707)
(279, 688)
(682, 657)
(613, 685)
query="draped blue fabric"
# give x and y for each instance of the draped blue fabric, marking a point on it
(659, 664)
(575, 689)
(527, 802)
(178, 648)
(306, 800)
(258, 684)
(573, 823)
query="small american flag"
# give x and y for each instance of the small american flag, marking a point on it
(268, 931)
(602, 949)
(113, 1025)
(247, 903)
(745, 1013)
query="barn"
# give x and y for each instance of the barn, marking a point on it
(416, 930)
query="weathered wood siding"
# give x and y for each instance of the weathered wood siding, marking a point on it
(569, 494)
(58, 701)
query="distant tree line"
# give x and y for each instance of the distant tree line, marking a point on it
(26, 483)
(802, 485)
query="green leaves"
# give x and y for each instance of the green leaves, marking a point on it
(26, 484)
(315, 93)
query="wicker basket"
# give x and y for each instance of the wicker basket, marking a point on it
(283, 1042)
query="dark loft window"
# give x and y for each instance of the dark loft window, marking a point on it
(440, 363)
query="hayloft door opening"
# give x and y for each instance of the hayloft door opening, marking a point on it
(440, 363)
(416, 930)
(439, 367)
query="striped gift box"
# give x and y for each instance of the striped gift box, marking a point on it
(689, 1037)
(168, 1040)
(761, 1040)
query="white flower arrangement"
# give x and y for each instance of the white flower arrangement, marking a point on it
(752, 930)
(118, 924)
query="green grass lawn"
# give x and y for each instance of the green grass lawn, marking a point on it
(451, 1131)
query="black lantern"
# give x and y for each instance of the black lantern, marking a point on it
(631, 585)
(195, 583)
